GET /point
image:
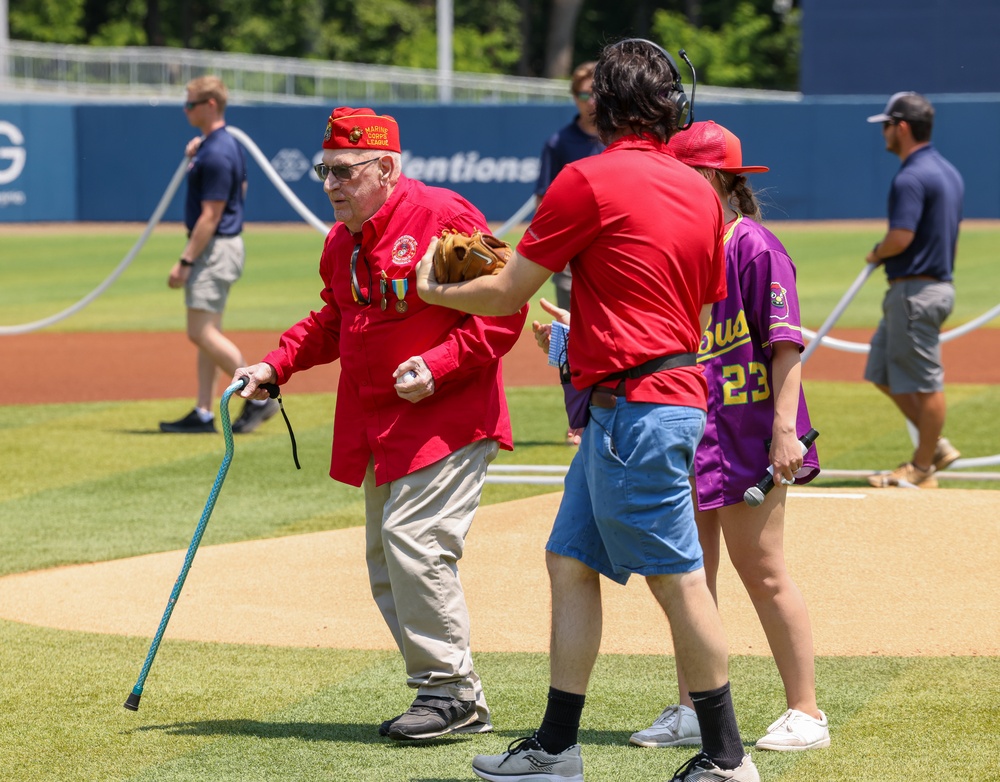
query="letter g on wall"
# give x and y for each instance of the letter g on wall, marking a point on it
(15, 154)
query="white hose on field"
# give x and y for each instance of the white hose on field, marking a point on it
(832, 318)
(168, 194)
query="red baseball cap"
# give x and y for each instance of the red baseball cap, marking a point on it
(349, 128)
(707, 145)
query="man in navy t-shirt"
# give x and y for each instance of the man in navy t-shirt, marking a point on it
(213, 257)
(918, 251)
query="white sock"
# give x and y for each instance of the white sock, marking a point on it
(204, 415)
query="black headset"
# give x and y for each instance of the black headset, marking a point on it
(677, 96)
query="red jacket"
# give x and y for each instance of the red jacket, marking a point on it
(462, 351)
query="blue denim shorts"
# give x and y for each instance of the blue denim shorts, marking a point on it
(627, 505)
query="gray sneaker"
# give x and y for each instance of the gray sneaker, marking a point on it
(429, 717)
(677, 726)
(526, 760)
(700, 768)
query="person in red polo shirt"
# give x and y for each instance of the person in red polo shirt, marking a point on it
(642, 234)
(421, 410)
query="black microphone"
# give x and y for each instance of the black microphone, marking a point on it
(754, 496)
(694, 86)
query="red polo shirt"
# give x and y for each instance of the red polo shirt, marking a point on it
(462, 351)
(642, 234)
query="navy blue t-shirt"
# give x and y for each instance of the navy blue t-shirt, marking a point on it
(926, 198)
(566, 145)
(217, 173)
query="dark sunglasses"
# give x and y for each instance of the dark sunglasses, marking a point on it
(359, 297)
(190, 104)
(584, 95)
(341, 172)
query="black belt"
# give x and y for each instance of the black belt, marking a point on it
(604, 396)
(909, 277)
(658, 364)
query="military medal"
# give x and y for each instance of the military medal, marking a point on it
(399, 287)
(383, 286)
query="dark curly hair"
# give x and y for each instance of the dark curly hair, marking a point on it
(633, 82)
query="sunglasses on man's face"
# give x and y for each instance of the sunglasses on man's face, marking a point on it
(190, 104)
(343, 173)
(584, 96)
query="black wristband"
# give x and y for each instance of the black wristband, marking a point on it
(186, 262)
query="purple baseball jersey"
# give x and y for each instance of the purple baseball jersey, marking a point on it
(761, 308)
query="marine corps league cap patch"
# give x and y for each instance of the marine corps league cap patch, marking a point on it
(349, 128)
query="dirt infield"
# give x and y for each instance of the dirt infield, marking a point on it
(91, 367)
(871, 565)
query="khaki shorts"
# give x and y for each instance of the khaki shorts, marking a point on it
(906, 348)
(213, 273)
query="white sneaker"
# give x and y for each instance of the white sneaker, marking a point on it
(526, 760)
(700, 768)
(796, 731)
(677, 726)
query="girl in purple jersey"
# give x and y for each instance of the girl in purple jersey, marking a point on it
(756, 413)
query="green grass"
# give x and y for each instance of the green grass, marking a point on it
(829, 259)
(106, 482)
(224, 712)
(84, 483)
(44, 272)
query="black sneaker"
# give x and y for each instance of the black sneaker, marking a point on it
(189, 424)
(431, 716)
(254, 415)
(383, 729)
(478, 726)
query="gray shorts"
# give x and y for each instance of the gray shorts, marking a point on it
(213, 273)
(906, 348)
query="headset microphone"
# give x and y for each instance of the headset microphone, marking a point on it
(683, 123)
(683, 105)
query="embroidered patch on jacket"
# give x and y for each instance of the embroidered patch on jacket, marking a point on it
(404, 250)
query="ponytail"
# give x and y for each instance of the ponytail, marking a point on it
(741, 195)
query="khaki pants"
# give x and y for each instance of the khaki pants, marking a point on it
(415, 534)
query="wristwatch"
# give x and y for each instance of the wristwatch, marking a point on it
(186, 262)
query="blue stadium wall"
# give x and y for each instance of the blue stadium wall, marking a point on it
(871, 47)
(113, 162)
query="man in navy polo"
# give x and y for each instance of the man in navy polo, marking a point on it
(213, 257)
(918, 251)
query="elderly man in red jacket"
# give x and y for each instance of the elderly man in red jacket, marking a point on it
(420, 411)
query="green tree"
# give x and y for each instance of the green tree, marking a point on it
(47, 21)
(740, 43)
(748, 50)
(116, 23)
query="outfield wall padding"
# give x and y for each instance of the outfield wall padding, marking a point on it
(112, 162)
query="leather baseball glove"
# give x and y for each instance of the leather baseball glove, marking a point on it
(461, 257)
